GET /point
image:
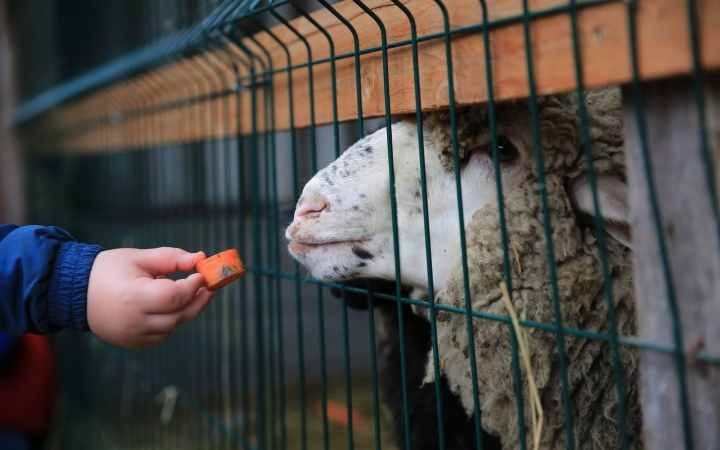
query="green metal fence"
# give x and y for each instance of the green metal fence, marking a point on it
(274, 353)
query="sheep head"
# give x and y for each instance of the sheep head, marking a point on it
(343, 228)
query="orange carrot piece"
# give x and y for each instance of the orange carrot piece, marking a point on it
(221, 269)
(337, 412)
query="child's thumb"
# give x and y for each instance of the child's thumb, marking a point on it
(166, 260)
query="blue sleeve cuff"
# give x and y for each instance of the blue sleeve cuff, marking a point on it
(67, 295)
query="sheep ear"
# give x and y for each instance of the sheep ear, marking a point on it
(613, 198)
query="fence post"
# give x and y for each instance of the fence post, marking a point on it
(691, 239)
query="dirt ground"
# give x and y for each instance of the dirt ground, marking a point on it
(140, 427)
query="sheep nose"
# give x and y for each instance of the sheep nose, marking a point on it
(310, 206)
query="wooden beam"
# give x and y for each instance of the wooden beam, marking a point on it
(690, 232)
(663, 42)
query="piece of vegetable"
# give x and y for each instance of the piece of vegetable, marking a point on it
(221, 269)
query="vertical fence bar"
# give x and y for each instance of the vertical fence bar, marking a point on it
(393, 212)
(257, 259)
(461, 219)
(599, 230)
(280, 334)
(336, 142)
(499, 189)
(242, 312)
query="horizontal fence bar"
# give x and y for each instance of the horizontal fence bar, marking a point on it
(628, 341)
(108, 118)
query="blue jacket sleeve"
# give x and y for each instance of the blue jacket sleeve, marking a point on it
(44, 277)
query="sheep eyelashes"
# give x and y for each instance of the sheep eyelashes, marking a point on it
(355, 222)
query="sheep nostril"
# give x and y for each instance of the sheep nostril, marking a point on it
(311, 207)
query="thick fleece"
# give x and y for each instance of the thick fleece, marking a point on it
(583, 305)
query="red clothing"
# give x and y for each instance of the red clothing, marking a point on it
(27, 386)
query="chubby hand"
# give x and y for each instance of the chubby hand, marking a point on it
(130, 303)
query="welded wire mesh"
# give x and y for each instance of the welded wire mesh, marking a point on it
(213, 153)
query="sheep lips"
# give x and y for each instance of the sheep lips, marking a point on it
(331, 260)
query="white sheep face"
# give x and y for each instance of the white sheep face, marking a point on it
(343, 229)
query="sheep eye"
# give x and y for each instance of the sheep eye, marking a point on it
(507, 152)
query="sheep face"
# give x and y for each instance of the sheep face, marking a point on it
(343, 227)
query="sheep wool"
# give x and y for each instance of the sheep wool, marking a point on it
(580, 288)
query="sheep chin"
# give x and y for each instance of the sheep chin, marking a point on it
(336, 261)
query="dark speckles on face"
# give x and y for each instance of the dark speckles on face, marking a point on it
(349, 276)
(361, 252)
(362, 264)
(356, 208)
(368, 149)
(417, 194)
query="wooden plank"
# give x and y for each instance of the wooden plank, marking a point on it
(663, 44)
(690, 232)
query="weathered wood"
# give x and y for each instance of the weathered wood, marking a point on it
(662, 41)
(691, 236)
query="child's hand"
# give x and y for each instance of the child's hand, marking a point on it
(131, 304)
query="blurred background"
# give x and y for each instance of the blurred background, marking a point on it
(199, 389)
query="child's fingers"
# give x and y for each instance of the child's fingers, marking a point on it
(167, 296)
(167, 323)
(166, 260)
(151, 340)
(195, 307)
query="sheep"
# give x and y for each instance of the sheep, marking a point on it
(459, 429)
(342, 230)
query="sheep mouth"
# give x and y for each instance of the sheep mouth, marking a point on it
(304, 246)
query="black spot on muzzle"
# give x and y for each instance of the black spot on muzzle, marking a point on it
(361, 253)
